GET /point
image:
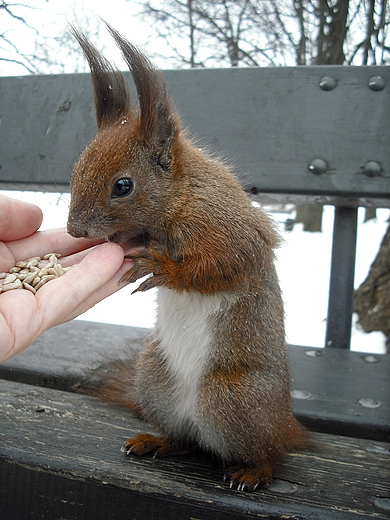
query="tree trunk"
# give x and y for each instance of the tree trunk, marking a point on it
(372, 299)
(332, 32)
(192, 28)
(370, 213)
(310, 216)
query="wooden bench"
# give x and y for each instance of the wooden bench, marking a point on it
(301, 135)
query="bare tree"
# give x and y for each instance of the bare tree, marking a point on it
(54, 49)
(273, 32)
(60, 52)
(9, 50)
(372, 299)
(218, 33)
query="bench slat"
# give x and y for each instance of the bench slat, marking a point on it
(331, 381)
(59, 452)
(272, 122)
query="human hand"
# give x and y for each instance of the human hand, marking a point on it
(98, 273)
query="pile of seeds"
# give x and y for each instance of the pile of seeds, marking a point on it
(33, 273)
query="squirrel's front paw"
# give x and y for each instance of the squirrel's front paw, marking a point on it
(151, 260)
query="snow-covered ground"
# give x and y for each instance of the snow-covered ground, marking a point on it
(303, 266)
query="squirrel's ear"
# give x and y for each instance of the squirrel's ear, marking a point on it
(112, 97)
(158, 119)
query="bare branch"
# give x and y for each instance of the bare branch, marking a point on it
(259, 32)
(17, 62)
(7, 7)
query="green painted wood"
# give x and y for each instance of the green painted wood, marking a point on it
(343, 392)
(271, 122)
(62, 357)
(60, 458)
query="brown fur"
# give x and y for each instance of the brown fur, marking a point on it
(201, 236)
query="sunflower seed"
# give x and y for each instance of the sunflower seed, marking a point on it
(10, 278)
(33, 273)
(17, 284)
(29, 287)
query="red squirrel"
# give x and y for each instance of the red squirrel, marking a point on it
(215, 374)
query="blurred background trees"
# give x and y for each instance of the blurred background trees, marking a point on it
(9, 47)
(203, 33)
(44, 47)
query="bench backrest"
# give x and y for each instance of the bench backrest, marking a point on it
(317, 132)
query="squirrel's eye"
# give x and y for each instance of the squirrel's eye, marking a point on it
(122, 187)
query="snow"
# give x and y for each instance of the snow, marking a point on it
(304, 271)
(303, 264)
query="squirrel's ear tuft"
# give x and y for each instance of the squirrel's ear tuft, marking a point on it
(112, 97)
(158, 119)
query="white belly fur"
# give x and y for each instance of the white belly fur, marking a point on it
(183, 330)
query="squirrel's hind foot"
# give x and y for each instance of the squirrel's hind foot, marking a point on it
(145, 443)
(249, 478)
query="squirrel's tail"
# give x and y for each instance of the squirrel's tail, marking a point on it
(113, 382)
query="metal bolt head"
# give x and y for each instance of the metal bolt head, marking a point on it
(327, 83)
(371, 359)
(382, 503)
(372, 169)
(300, 394)
(283, 487)
(367, 402)
(318, 166)
(376, 83)
(313, 353)
(381, 450)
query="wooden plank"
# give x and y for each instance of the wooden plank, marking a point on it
(63, 356)
(328, 383)
(60, 457)
(343, 392)
(272, 122)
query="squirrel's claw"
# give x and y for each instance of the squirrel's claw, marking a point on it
(148, 261)
(149, 283)
(142, 267)
(145, 443)
(142, 444)
(248, 479)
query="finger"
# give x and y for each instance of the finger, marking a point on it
(18, 219)
(23, 316)
(18, 318)
(112, 286)
(51, 241)
(96, 277)
(76, 258)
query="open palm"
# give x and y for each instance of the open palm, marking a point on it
(97, 274)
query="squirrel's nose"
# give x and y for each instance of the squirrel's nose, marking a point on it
(77, 233)
(76, 230)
